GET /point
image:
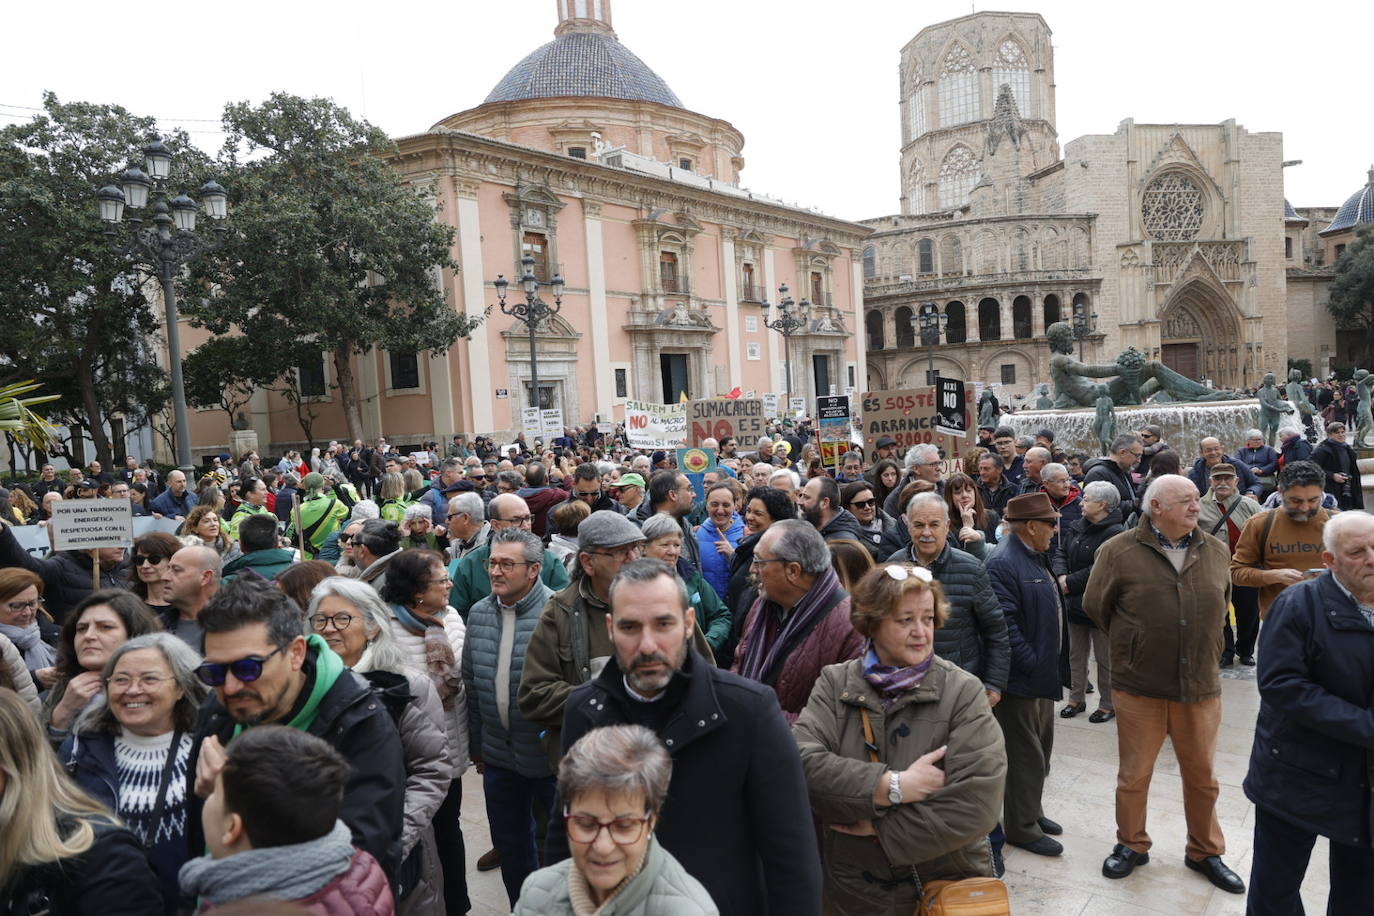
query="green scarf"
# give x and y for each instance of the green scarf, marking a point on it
(328, 667)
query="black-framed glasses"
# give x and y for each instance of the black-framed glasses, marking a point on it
(505, 564)
(245, 669)
(320, 621)
(624, 831)
(17, 606)
(520, 520)
(589, 494)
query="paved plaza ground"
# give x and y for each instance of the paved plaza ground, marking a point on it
(1079, 795)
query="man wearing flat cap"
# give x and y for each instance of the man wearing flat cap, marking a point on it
(1038, 633)
(571, 643)
(1159, 592)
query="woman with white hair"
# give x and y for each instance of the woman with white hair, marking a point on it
(1259, 456)
(352, 619)
(130, 748)
(612, 783)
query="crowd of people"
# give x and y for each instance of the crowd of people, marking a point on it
(773, 687)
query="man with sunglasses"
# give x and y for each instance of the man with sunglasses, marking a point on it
(586, 486)
(265, 671)
(471, 583)
(570, 645)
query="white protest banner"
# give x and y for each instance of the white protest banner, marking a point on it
(83, 524)
(531, 423)
(797, 406)
(770, 406)
(655, 426)
(720, 418)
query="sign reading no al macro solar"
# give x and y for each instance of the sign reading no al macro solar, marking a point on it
(720, 418)
(85, 524)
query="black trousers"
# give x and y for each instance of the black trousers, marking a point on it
(1282, 851)
(1028, 729)
(448, 840)
(1245, 599)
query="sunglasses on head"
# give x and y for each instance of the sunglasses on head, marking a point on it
(902, 573)
(246, 669)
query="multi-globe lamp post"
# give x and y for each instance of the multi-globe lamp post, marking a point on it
(791, 317)
(929, 321)
(1084, 323)
(533, 312)
(161, 235)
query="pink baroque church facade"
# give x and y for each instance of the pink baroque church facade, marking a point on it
(584, 159)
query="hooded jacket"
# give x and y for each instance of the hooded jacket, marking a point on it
(1107, 469)
(265, 563)
(1078, 544)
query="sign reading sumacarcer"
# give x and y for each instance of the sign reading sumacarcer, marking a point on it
(84, 524)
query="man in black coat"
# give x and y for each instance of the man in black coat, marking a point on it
(737, 816)
(1310, 764)
(1115, 468)
(265, 672)
(1339, 461)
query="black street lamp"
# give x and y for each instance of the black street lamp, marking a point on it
(164, 243)
(792, 317)
(1083, 325)
(533, 311)
(930, 321)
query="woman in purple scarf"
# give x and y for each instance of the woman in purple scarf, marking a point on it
(903, 759)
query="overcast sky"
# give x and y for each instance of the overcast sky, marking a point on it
(812, 84)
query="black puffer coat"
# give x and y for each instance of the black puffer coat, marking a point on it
(1106, 469)
(112, 878)
(975, 635)
(1078, 543)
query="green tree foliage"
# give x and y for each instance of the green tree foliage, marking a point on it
(74, 312)
(329, 251)
(1351, 298)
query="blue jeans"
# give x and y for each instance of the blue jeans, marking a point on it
(510, 817)
(1282, 850)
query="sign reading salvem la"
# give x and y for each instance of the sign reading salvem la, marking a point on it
(84, 524)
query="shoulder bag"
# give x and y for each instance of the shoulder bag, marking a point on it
(966, 897)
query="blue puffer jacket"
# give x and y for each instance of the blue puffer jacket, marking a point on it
(1311, 762)
(518, 747)
(715, 566)
(1036, 628)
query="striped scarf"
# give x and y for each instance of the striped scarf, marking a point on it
(891, 681)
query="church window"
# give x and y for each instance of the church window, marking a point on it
(685, 164)
(1340, 250)
(1021, 318)
(314, 378)
(1009, 373)
(925, 249)
(1171, 208)
(1010, 68)
(956, 331)
(536, 245)
(577, 152)
(918, 112)
(873, 323)
(870, 262)
(958, 88)
(989, 319)
(405, 370)
(958, 175)
(1051, 309)
(667, 272)
(906, 333)
(622, 383)
(1288, 246)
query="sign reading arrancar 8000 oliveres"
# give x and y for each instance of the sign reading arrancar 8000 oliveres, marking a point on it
(909, 417)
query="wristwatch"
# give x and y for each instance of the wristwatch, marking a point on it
(894, 789)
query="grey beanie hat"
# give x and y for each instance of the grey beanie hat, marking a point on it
(606, 529)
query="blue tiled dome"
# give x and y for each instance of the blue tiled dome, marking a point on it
(1358, 210)
(587, 64)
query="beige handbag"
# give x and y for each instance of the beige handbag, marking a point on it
(966, 897)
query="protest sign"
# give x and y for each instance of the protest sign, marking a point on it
(655, 426)
(908, 416)
(695, 462)
(531, 424)
(719, 418)
(84, 524)
(770, 406)
(833, 427)
(33, 539)
(951, 415)
(552, 421)
(797, 406)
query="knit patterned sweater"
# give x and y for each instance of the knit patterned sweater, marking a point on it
(138, 764)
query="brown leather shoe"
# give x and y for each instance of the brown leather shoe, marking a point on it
(489, 860)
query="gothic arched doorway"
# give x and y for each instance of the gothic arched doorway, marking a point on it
(1200, 336)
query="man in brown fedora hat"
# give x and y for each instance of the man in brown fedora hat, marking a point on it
(1037, 631)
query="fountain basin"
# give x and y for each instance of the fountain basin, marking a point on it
(1184, 424)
